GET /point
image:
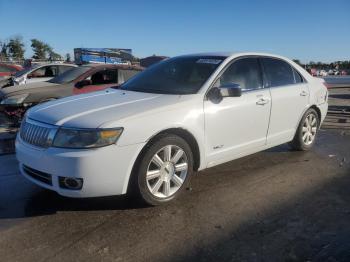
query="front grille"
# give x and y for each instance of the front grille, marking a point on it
(38, 175)
(37, 135)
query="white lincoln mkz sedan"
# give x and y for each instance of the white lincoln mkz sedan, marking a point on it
(181, 115)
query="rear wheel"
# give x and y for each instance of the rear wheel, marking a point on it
(305, 136)
(164, 170)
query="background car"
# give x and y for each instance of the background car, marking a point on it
(9, 69)
(78, 80)
(39, 73)
(323, 73)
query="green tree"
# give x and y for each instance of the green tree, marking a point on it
(297, 61)
(43, 50)
(40, 49)
(16, 48)
(3, 50)
(53, 56)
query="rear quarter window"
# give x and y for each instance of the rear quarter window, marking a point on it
(297, 76)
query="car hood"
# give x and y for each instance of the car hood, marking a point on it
(21, 89)
(96, 109)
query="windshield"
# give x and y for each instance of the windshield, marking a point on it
(70, 75)
(179, 75)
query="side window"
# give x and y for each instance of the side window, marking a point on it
(245, 72)
(278, 72)
(298, 78)
(104, 77)
(110, 76)
(51, 71)
(127, 74)
(63, 69)
(46, 71)
(40, 72)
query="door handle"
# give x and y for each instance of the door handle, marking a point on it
(262, 101)
(304, 93)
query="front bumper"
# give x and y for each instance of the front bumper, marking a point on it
(105, 171)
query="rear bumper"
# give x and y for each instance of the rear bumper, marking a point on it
(105, 171)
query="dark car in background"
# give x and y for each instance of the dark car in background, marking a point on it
(15, 100)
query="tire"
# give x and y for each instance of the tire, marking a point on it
(305, 136)
(157, 178)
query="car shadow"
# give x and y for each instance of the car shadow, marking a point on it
(47, 202)
(36, 201)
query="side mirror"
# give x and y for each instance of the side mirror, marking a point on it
(216, 94)
(82, 83)
(29, 76)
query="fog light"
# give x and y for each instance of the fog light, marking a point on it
(71, 183)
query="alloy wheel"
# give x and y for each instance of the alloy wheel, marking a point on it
(309, 129)
(167, 171)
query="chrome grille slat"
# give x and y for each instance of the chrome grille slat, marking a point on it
(35, 134)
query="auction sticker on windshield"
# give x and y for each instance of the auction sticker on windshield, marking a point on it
(209, 61)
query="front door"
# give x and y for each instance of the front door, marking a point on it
(237, 125)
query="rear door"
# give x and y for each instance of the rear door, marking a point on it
(290, 96)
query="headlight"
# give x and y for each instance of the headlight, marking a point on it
(14, 100)
(86, 138)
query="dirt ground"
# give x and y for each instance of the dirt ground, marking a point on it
(277, 205)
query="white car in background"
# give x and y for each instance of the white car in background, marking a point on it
(39, 73)
(323, 73)
(181, 115)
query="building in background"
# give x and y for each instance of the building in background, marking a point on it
(103, 55)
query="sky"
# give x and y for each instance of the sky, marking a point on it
(308, 30)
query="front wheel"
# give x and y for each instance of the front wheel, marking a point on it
(164, 170)
(305, 136)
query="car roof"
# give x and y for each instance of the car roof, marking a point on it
(52, 64)
(236, 54)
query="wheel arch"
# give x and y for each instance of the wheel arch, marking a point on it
(318, 111)
(184, 134)
(181, 132)
(313, 106)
